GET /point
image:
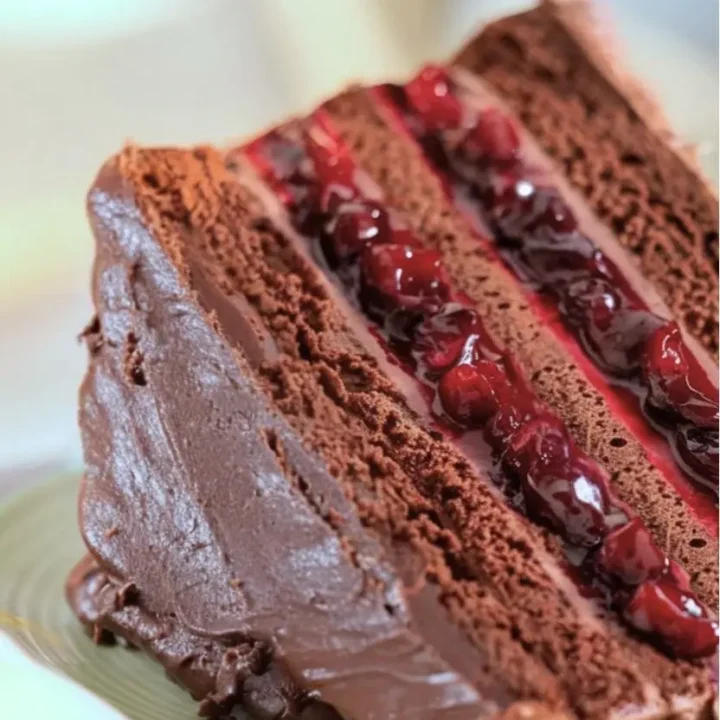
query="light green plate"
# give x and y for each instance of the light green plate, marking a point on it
(39, 543)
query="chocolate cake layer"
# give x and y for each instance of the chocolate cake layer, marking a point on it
(613, 146)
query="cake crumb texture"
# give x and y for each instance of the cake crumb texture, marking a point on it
(659, 208)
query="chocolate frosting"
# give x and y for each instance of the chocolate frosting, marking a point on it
(212, 541)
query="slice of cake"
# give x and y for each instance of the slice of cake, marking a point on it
(383, 421)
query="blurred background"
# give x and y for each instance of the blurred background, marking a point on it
(80, 77)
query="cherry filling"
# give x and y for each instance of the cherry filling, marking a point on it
(675, 379)
(476, 384)
(404, 277)
(473, 390)
(494, 137)
(442, 336)
(430, 90)
(541, 240)
(660, 607)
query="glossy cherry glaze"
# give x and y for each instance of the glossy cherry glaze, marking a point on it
(404, 289)
(540, 239)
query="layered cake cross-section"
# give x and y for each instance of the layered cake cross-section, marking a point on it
(389, 416)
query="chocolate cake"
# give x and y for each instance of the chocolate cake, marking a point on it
(408, 408)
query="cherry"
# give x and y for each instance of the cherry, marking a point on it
(356, 224)
(676, 380)
(440, 338)
(511, 416)
(592, 301)
(400, 233)
(471, 392)
(551, 259)
(335, 171)
(404, 276)
(571, 495)
(630, 554)
(611, 326)
(494, 136)
(675, 617)
(678, 576)
(521, 209)
(554, 214)
(430, 94)
(543, 437)
(509, 200)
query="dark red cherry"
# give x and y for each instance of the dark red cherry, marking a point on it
(543, 437)
(665, 351)
(674, 617)
(511, 416)
(471, 393)
(439, 339)
(592, 301)
(522, 209)
(430, 94)
(509, 200)
(494, 137)
(678, 576)
(356, 224)
(611, 328)
(553, 214)
(400, 232)
(334, 170)
(571, 495)
(405, 277)
(630, 554)
(676, 380)
(552, 258)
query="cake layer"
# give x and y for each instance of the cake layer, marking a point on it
(613, 145)
(220, 494)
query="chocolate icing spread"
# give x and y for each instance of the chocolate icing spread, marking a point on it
(165, 498)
